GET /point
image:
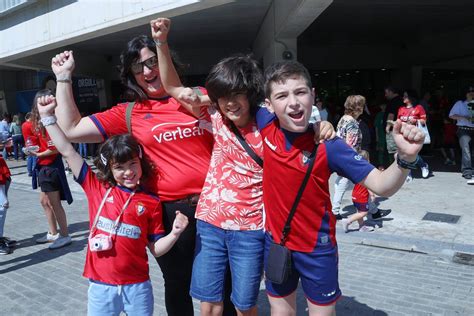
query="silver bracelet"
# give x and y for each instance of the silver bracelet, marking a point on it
(48, 120)
(159, 43)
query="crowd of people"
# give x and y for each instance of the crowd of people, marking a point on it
(181, 172)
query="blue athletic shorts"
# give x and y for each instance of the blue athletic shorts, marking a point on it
(215, 249)
(361, 207)
(109, 299)
(318, 271)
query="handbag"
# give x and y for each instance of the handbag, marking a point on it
(278, 264)
(424, 128)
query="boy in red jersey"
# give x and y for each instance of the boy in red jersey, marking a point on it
(288, 143)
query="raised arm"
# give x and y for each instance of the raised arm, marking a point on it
(75, 127)
(46, 105)
(409, 140)
(169, 77)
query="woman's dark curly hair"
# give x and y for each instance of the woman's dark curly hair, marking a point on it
(120, 149)
(236, 74)
(130, 56)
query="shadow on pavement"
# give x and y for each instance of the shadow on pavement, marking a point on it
(78, 232)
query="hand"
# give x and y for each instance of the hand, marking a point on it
(323, 130)
(180, 223)
(409, 140)
(189, 96)
(63, 64)
(46, 105)
(160, 28)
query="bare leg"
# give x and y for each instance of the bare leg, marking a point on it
(212, 309)
(60, 214)
(48, 211)
(317, 310)
(283, 306)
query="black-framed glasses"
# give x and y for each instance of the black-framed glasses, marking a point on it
(137, 68)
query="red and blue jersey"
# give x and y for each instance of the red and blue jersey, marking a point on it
(172, 139)
(140, 223)
(286, 159)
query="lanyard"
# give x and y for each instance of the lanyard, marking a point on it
(114, 229)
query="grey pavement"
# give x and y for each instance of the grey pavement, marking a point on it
(405, 267)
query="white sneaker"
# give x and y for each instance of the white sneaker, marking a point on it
(60, 242)
(409, 179)
(470, 181)
(47, 238)
(366, 229)
(345, 225)
(425, 172)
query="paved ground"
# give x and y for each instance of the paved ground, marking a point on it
(405, 267)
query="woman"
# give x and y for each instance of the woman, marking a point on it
(49, 175)
(169, 135)
(412, 113)
(15, 131)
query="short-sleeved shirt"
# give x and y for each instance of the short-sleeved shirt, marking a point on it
(28, 135)
(348, 129)
(360, 194)
(232, 195)
(286, 159)
(45, 143)
(5, 173)
(141, 222)
(461, 108)
(172, 139)
(407, 114)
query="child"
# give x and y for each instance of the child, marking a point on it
(6, 244)
(287, 150)
(124, 221)
(360, 198)
(230, 210)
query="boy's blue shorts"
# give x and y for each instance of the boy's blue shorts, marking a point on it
(217, 248)
(361, 207)
(318, 271)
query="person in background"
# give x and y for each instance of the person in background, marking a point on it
(17, 137)
(5, 133)
(381, 143)
(394, 102)
(30, 140)
(6, 244)
(449, 142)
(463, 113)
(413, 113)
(50, 176)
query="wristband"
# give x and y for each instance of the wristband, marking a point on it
(64, 80)
(159, 43)
(48, 120)
(408, 165)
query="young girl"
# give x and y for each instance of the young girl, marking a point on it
(360, 199)
(124, 220)
(230, 209)
(49, 175)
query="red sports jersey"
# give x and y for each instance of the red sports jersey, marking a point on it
(28, 135)
(127, 261)
(286, 159)
(172, 139)
(360, 194)
(45, 143)
(409, 114)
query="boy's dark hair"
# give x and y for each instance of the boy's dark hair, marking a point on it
(120, 149)
(412, 96)
(129, 56)
(281, 71)
(35, 117)
(236, 74)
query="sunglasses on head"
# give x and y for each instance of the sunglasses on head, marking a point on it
(137, 68)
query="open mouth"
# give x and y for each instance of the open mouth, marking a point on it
(151, 79)
(296, 115)
(234, 111)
